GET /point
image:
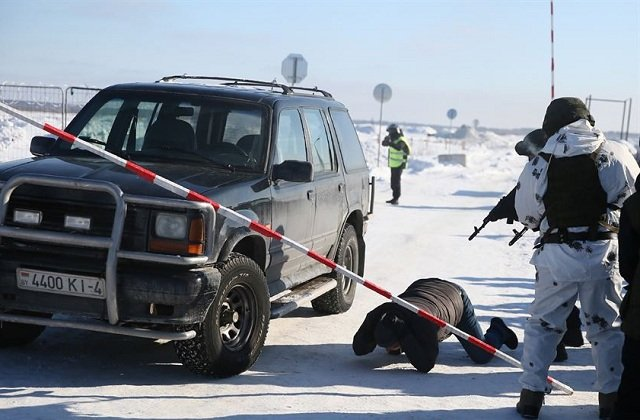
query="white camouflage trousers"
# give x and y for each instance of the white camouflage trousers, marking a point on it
(554, 299)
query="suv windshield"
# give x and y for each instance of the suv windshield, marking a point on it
(171, 127)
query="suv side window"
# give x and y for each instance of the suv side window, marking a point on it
(290, 144)
(352, 154)
(322, 153)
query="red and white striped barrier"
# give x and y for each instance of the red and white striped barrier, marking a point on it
(263, 230)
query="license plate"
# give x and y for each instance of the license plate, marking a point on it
(60, 283)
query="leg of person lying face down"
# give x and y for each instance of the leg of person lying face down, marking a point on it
(497, 334)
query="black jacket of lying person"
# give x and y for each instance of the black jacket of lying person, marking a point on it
(398, 329)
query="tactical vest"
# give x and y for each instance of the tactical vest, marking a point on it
(574, 194)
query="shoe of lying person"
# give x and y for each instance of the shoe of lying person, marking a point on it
(509, 337)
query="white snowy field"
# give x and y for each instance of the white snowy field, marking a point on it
(307, 369)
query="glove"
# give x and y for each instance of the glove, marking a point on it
(397, 146)
(505, 209)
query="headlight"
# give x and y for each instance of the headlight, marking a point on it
(171, 226)
(178, 234)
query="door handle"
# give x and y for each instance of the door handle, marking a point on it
(311, 194)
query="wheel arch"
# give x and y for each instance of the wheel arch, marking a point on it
(246, 242)
(356, 219)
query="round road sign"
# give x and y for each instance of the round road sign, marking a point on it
(382, 92)
(452, 113)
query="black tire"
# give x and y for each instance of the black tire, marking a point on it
(13, 334)
(341, 298)
(232, 335)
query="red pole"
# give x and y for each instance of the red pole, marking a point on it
(263, 230)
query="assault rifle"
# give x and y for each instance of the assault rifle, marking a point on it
(505, 209)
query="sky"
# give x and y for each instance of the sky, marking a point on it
(489, 60)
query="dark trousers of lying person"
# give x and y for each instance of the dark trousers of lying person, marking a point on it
(400, 330)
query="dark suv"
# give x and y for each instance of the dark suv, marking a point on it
(86, 244)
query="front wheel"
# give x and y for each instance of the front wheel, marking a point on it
(341, 298)
(231, 337)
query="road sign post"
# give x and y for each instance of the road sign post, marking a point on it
(451, 114)
(382, 94)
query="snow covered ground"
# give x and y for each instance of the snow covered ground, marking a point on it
(307, 369)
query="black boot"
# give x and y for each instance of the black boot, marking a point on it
(573, 336)
(509, 338)
(530, 403)
(561, 353)
(606, 402)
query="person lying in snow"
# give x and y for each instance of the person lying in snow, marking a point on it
(398, 329)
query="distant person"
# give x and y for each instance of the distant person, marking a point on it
(399, 152)
(398, 330)
(572, 192)
(628, 404)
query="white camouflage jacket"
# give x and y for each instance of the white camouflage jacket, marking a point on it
(617, 170)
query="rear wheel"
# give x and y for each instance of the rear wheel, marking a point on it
(15, 334)
(340, 299)
(232, 335)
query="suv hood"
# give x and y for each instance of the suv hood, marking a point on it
(194, 176)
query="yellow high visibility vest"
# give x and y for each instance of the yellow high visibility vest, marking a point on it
(397, 157)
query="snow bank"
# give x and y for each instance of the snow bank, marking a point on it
(14, 143)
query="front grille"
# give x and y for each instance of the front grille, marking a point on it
(54, 212)
(56, 203)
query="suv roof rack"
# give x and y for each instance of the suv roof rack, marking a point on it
(229, 81)
(313, 89)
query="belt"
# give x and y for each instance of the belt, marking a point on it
(565, 237)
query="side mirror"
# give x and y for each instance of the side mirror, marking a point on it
(41, 145)
(294, 171)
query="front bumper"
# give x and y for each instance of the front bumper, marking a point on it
(145, 293)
